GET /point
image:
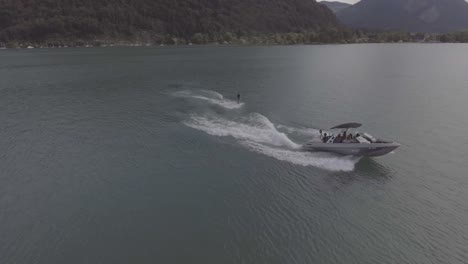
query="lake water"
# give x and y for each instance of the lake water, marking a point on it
(142, 155)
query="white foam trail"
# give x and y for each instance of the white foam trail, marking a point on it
(211, 97)
(302, 131)
(322, 160)
(214, 94)
(254, 128)
(258, 134)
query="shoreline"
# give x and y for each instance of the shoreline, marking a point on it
(138, 45)
(273, 39)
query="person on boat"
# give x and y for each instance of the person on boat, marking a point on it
(338, 138)
(349, 139)
(325, 138)
(238, 97)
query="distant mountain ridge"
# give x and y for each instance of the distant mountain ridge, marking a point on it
(335, 6)
(40, 20)
(407, 15)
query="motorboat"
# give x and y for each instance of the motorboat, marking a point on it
(346, 143)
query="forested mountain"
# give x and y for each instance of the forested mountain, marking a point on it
(39, 21)
(408, 15)
(335, 6)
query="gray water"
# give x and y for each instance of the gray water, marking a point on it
(141, 155)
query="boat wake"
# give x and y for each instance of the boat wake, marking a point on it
(257, 133)
(210, 97)
(254, 127)
(328, 161)
(309, 132)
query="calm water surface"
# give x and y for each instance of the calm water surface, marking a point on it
(140, 155)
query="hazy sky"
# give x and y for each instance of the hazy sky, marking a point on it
(344, 1)
(351, 1)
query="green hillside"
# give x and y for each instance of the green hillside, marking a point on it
(165, 21)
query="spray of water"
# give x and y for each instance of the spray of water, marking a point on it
(311, 132)
(211, 97)
(254, 127)
(257, 133)
(322, 160)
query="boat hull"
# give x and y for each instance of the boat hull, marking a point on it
(354, 149)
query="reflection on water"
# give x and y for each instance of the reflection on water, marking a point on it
(372, 168)
(367, 169)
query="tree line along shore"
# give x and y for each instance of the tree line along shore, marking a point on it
(292, 38)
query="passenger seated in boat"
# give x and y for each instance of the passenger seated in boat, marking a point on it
(324, 138)
(346, 140)
(338, 139)
(349, 139)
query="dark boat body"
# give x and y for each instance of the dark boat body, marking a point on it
(354, 149)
